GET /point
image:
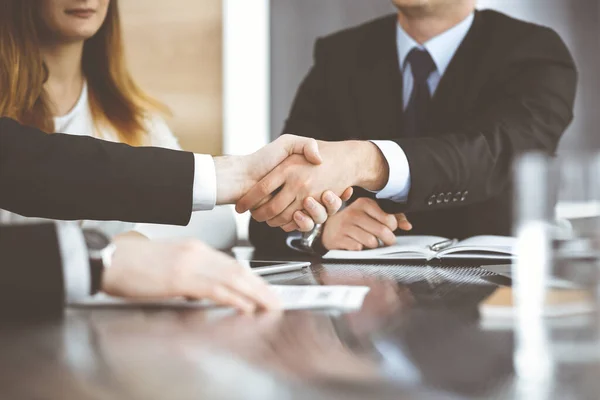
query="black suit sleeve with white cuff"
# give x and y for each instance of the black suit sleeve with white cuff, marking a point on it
(69, 177)
(509, 88)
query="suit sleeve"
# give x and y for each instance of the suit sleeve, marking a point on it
(72, 177)
(532, 109)
(31, 282)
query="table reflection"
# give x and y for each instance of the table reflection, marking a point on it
(418, 335)
(389, 343)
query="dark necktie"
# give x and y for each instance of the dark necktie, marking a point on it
(416, 113)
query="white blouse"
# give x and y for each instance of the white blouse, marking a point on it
(79, 121)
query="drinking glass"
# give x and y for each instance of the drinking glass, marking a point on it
(556, 273)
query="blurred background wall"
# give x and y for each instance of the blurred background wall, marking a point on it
(295, 24)
(174, 50)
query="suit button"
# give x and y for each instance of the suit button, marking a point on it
(431, 200)
(448, 197)
(440, 198)
(464, 196)
(456, 197)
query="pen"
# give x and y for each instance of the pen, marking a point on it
(443, 245)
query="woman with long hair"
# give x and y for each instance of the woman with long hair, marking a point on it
(62, 69)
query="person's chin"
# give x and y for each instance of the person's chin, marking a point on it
(75, 35)
(409, 4)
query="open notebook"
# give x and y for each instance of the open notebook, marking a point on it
(424, 248)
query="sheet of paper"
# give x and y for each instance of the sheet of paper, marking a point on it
(292, 298)
(306, 297)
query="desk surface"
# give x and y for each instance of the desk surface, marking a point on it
(418, 335)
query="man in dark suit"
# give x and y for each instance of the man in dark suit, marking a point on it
(73, 177)
(432, 104)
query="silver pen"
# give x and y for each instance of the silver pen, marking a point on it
(443, 245)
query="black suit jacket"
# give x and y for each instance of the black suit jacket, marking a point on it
(510, 88)
(74, 177)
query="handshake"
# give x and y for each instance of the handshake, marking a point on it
(296, 182)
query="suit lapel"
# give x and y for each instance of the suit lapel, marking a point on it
(377, 85)
(450, 96)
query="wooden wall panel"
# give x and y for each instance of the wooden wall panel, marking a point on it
(174, 50)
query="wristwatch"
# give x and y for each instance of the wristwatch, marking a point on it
(310, 242)
(100, 254)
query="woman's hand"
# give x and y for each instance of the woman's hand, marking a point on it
(155, 270)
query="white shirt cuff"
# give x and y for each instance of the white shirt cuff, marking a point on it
(398, 185)
(75, 261)
(205, 183)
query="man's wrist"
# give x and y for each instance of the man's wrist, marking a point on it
(372, 170)
(233, 178)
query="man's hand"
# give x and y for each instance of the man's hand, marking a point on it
(156, 270)
(361, 225)
(345, 164)
(236, 175)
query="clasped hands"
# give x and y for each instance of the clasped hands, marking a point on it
(296, 182)
(287, 183)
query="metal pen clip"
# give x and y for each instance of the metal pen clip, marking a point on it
(443, 245)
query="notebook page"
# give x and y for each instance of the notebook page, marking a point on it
(483, 244)
(406, 247)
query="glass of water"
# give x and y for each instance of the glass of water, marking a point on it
(556, 273)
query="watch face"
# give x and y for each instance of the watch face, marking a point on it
(95, 240)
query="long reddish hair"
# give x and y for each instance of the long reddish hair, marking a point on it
(115, 100)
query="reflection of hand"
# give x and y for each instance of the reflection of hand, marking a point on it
(386, 298)
(150, 269)
(345, 164)
(360, 225)
(308, 347)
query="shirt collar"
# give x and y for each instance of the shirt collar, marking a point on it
(441, 48)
